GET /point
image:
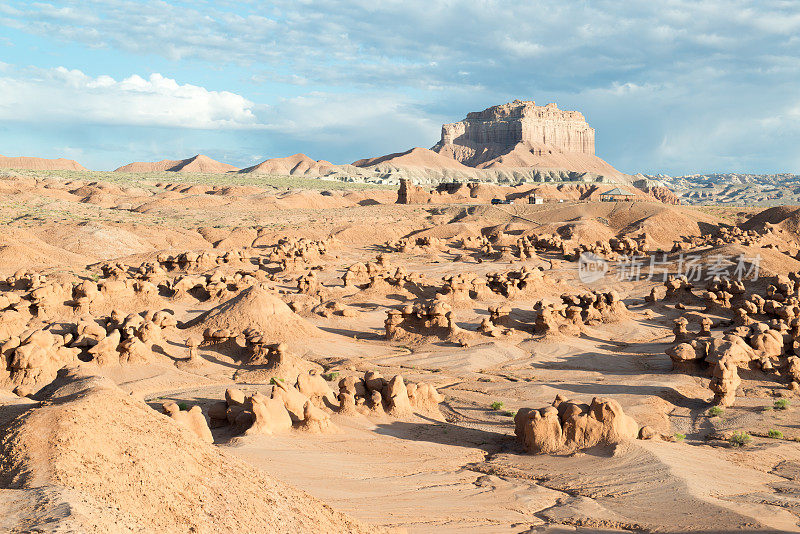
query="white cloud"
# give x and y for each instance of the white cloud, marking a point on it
(341, 119)
(155, 101)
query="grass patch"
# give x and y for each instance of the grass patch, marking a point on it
(781, 404)
(333, 375)
(715, 411)
(274, 381)
(496, 405)
(679, 437)
(740, 439)
(775, 434)
(149, 179)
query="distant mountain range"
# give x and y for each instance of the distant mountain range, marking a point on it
(732, 188)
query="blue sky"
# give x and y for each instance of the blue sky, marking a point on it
(671, 86)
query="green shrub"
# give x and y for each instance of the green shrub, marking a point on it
(510, 413)
(333, 375)
(679, 436)
(739, 439)
(715, 411)
(497, 405)
(182, 406)
(781, 404)
(775, 434)
(273, 381)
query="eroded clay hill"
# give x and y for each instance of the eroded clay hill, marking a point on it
(40, 164)
(197, 164)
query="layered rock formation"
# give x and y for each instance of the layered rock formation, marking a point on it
(495, 131)
(512, 140)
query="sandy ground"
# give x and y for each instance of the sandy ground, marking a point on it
(463, 470)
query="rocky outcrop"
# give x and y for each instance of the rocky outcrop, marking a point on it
(657, 190)
(498, 129)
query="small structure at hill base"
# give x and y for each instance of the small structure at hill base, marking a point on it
(615, 195)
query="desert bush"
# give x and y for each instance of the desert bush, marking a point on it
(739, 439)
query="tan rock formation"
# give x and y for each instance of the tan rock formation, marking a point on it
(566, 426)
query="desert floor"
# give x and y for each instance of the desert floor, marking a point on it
(458, 470)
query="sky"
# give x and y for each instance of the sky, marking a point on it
(673, 86)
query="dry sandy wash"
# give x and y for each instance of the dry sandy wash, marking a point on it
(190, 356)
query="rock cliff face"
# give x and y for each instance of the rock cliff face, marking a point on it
(498, 130)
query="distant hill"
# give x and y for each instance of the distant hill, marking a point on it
(295, 165)
(736, 189)
(40, 164)
(198, 163)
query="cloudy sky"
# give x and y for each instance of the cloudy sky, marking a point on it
(671, 86)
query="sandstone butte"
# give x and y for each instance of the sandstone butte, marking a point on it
(513, 142)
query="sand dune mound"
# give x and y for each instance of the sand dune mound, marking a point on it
(262, 310)
(120, 466)
(296, 165)
(40, 164)
(198, 163)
